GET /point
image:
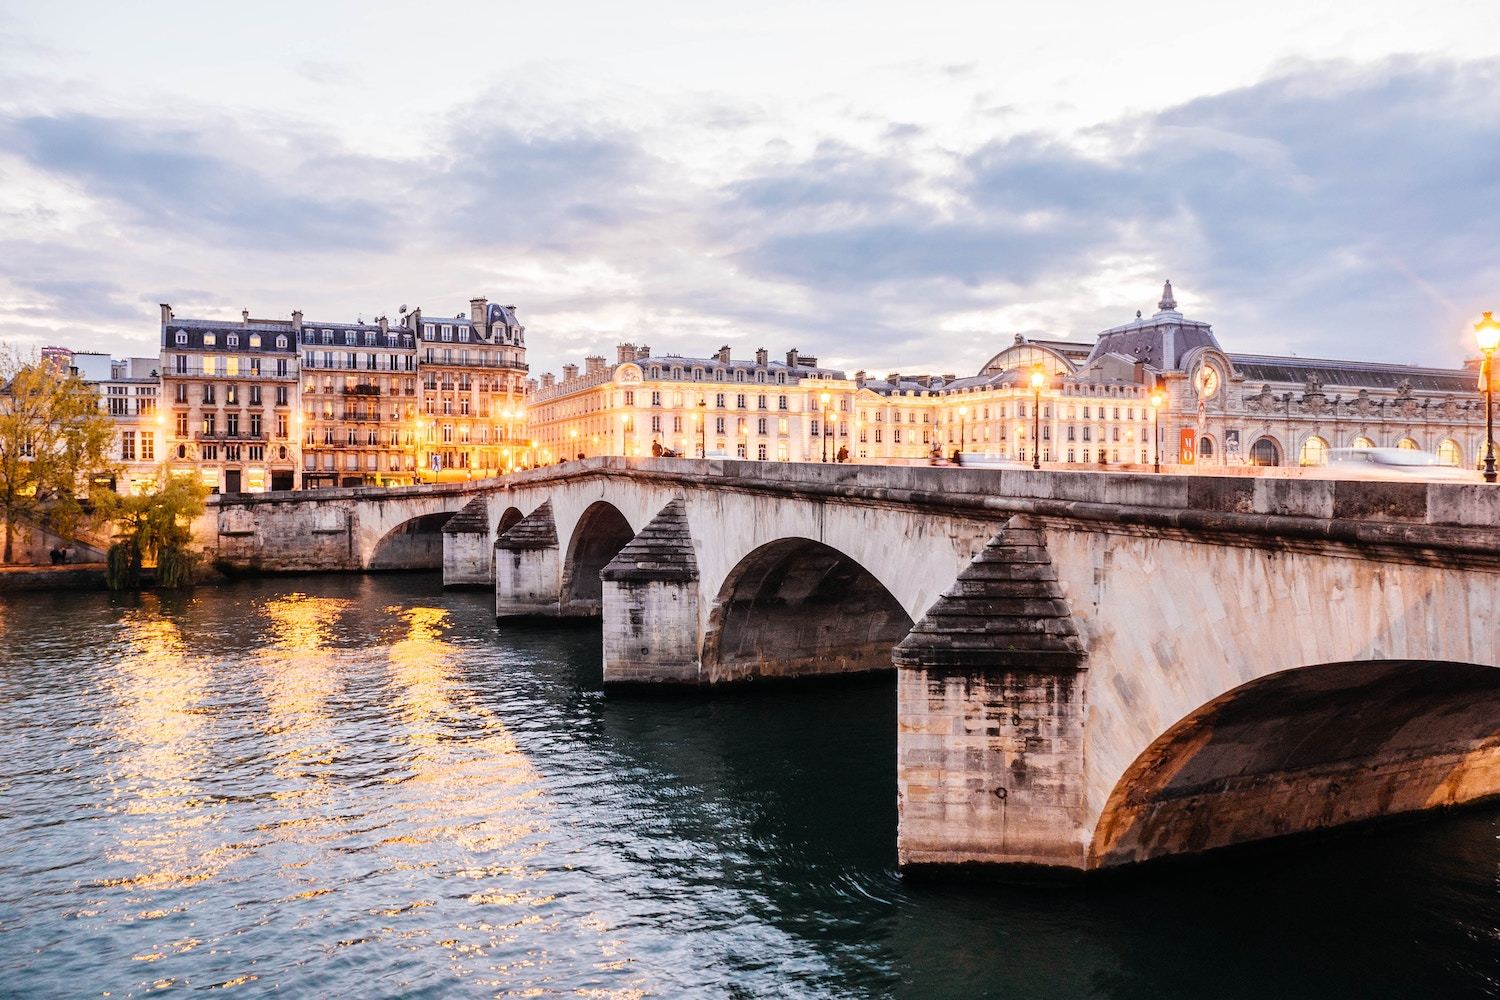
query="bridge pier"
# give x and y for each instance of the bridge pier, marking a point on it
(468, 554)
(528, 573)
(990, 717)
(651, 605)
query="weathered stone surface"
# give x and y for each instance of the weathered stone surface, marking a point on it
(662, 551)
(536, 530)
(473, 519)
(1005, 610)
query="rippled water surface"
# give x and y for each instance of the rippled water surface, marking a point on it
(340, 786)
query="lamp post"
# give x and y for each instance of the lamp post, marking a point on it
(703, 427)
(1037, 378)
(1156, 400)
(963, 416)
(1487, 331)
(824, 399)
(573, 433)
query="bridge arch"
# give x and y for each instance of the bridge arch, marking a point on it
(1305, 750)
(795, 607)
(599, 535)
(508, 520)
(416, 543)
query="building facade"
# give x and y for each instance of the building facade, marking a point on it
(359, 403)
(473, 391)
(644, 404)
(229, 391)
(1059, 403)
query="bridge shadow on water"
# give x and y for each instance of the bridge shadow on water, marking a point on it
(784, 794)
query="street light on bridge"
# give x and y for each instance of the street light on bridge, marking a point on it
(1487, 332)
(1037, 378)
(1157, 398)
(825, 399)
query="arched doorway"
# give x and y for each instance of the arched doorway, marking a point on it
(1361, 442)
(601, 533)
(1266, 452)
(1449, 453)
(1314, 452)
(1308, 749)
(797, 607)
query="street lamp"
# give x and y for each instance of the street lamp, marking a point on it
(1037, 378)
(1487, 331)
(963, 414)
(825, 398)
(574, 435)
(703, 427)
(1156, 400)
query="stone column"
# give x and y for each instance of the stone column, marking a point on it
(468, 555)
(990, 716)
(651, 605)
(528, 567)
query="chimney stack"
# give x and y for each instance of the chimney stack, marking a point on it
(166, 314)
(643, 352)
(477, 309)
(548, 380)
(385, 324)
(570, 372)
(791, 358)
(723, 354)
(245, 316)
(761, 355)
(624, 353)
(593, 364)
(296, 320)
(859, 378)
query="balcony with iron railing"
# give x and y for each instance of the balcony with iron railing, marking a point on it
(235, 437)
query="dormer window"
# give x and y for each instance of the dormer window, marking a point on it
(369, 338)
(463, 335)
(447, 333)
(427, 332)
(327, 336)
(181, 337)
(349, 338)
(254, 340)
(208, 340)
(233, 340)
(281, 342)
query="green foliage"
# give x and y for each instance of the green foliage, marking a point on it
(156, 524)
(123, 570)
(174, 567)
(53, 442)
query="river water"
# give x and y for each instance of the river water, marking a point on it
(359, 786)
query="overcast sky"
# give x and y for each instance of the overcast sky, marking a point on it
(886, 185)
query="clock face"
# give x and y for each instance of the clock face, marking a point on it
(1207, 381)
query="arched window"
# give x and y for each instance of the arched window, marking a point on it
(1362, 442)
(1314, 452)
(1205, 448)
(1449, 453)
(182, 336)
(1407, 444)
(1265, 452)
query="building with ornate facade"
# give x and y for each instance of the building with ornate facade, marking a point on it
(229, 392)
(473, 391)
(642, 404)
(359, 403)
(1057, 402)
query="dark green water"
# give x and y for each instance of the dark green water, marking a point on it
(341, 786)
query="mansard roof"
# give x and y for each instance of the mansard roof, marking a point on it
(1352, 374)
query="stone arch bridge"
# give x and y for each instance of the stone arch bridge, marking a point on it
(1093, 669)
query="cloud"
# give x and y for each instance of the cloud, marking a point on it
(184, 177)
(1334, 208)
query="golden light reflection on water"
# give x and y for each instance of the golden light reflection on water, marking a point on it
(156, 718)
